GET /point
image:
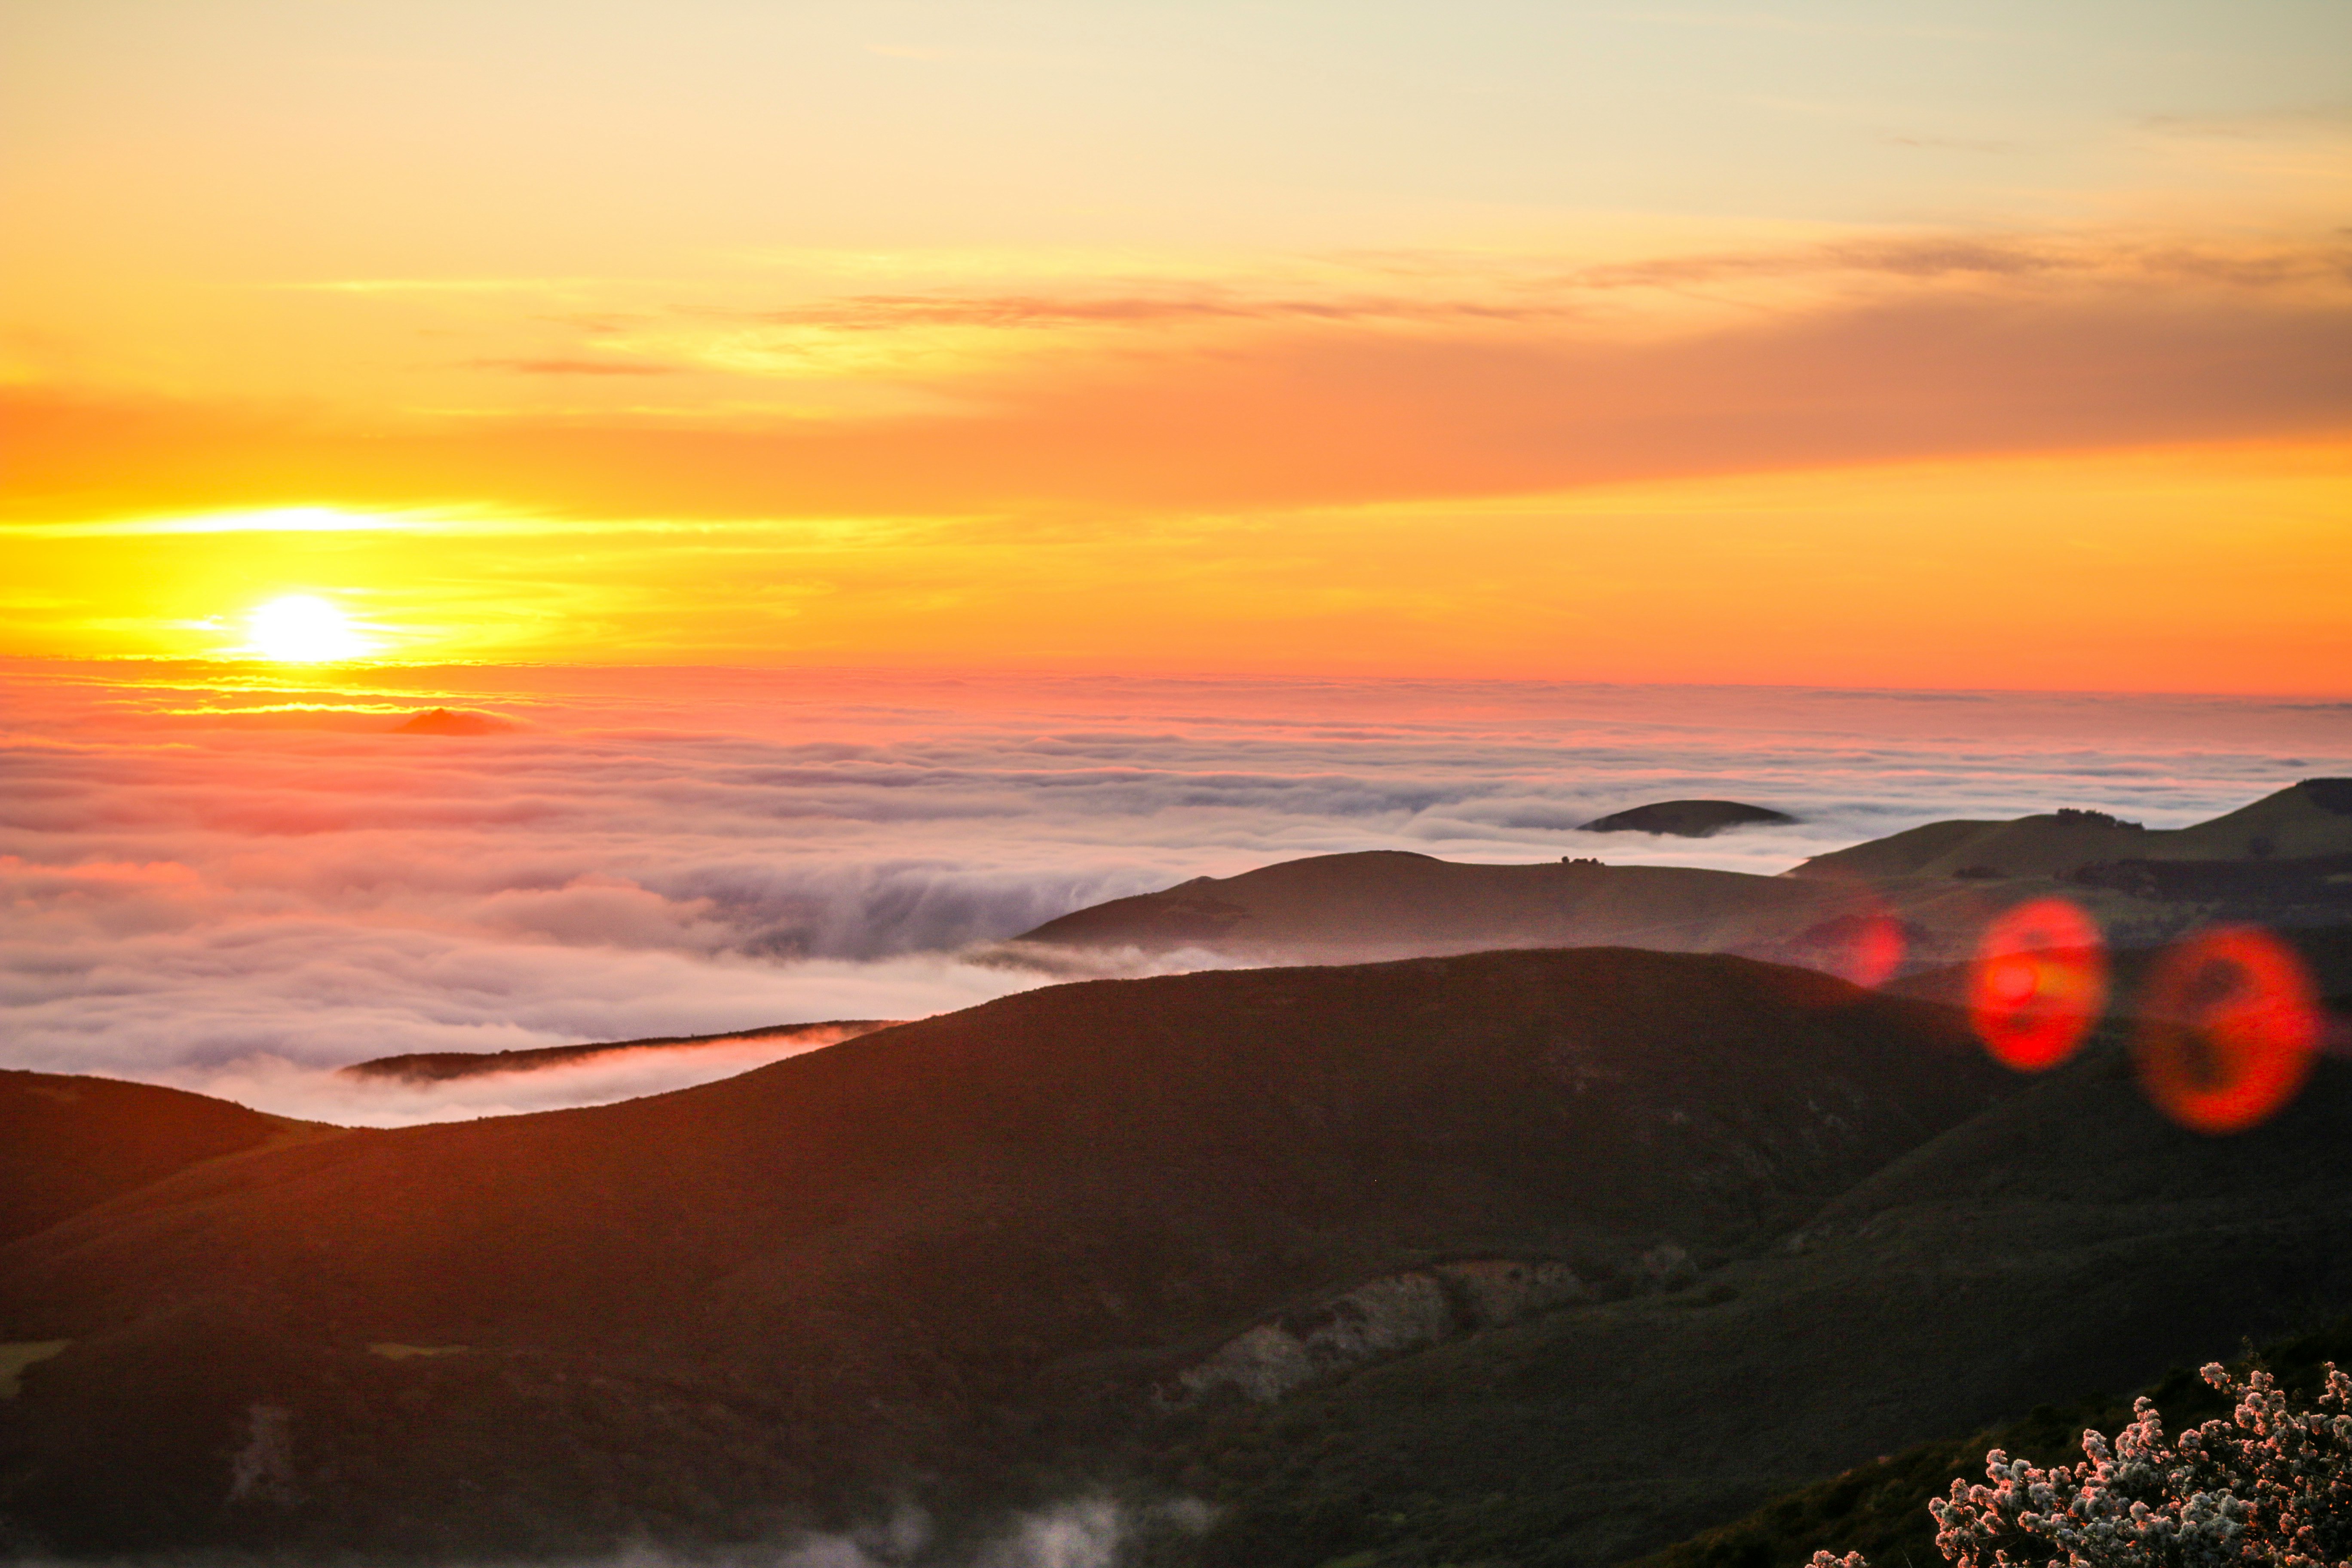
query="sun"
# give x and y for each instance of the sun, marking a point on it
(302, 629)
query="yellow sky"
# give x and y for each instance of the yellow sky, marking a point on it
(1913, 344)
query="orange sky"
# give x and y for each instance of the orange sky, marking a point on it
(1922, 344)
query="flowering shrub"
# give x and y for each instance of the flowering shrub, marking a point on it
(2271, 1485)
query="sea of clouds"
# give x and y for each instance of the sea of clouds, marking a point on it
(237, 884)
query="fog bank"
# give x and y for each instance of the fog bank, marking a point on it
(235, 882)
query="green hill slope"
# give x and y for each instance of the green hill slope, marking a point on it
(68, 1143)
(2306, 820)
(2285, 860)
(939, 1249)
(1579, 1252)
(2063, 1243)
(1341, 909)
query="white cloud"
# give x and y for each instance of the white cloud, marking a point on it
(191, 899)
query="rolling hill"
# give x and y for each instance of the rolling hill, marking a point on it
(2313, 818)
(70, 1142)
(1934, 886)
(934, 1250)
(2065, 1244)
(1520, 1257)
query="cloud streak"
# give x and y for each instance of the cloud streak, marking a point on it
(1860, 351)
(573, 366)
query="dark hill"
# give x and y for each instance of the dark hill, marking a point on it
(1687, 818)
(2312, 818)
(2063, 1244)
(1385, 903)
(1339, 909)
(440, 1066)
(946, 1249)
(68, 1143)
(2280, 860)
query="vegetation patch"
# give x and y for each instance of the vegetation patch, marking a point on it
(1880, 1509)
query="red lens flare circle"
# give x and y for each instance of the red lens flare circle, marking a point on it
(2039, 983)
(2232, 1024)
(1876, 952)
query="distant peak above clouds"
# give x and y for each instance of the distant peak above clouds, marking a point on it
(2304, 821)
(1928, 889)
(1687, 818)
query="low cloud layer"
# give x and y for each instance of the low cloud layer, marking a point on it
(239, 889)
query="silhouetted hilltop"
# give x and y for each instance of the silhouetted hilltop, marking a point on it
(1687, 818)
(927, 1250)
(2306, 819)
(1934, 886)
(1337, 909)
(440, 1066)
(1387, 902)
(451, 722)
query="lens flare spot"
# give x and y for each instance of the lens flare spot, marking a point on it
(303, 629)
(2039, 983)
(1863, 946)
(2231, 1025)
(1879, 946)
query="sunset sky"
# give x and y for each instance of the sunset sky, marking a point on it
(1925, 344)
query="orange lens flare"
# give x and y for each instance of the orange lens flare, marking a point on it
(2039, 983)
(1877, 952)
(2232, 1024)
(1864, 946)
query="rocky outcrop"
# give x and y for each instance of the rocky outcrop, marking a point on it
(1379, 1319)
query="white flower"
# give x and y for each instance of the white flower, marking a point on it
(2270, 1486)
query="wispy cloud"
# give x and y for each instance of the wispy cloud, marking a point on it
(1029, 312)
(573, 366)
(1965, 346)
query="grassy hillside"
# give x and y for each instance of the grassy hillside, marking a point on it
(968, 1260)
(68, 1143)
(2064, 1242)
(936, 1249)
(2281, 860)
(1337, 909)
(2306, 820)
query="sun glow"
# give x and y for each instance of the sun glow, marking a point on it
(303, 629)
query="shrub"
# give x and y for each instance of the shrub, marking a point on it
(2271, 1484)
(2082, 818)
